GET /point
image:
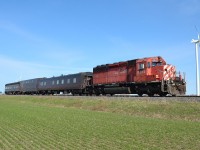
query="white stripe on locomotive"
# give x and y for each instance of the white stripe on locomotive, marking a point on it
(169, 72)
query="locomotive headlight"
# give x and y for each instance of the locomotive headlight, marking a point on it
(157, 76)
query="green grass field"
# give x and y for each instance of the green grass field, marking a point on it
(34, 122)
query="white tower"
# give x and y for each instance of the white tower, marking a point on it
(197, 63)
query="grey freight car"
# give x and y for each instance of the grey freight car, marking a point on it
(73, 83)
(29, 86)
(13, 88)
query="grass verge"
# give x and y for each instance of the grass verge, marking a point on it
(28, 122)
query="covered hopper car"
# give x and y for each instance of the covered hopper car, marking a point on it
(29, 86)
(13, 88)
(73, 83)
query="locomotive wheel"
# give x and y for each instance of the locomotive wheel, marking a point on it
(97, 94)
(151, 95)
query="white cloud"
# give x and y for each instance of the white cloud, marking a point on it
(43, 49)
(15, 29)
(28, 68)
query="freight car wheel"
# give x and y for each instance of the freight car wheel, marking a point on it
(140, 94)
(163, 94)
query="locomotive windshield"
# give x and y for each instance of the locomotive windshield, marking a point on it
(156, 64)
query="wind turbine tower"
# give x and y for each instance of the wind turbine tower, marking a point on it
(196, 42)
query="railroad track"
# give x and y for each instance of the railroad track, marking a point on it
(185, 98)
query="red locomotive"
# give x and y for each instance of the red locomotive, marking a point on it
(139, 76)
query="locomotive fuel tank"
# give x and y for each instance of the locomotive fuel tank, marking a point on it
(118, 90)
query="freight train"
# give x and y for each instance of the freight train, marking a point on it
(150, 76)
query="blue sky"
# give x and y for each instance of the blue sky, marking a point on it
(44, 38)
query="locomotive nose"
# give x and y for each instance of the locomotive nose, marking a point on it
(168, 72)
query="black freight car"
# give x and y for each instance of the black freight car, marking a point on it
(73, 83)
(30, 86)
(13, 88)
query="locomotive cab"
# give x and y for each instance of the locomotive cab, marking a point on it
(159, 78)
(149, 69)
